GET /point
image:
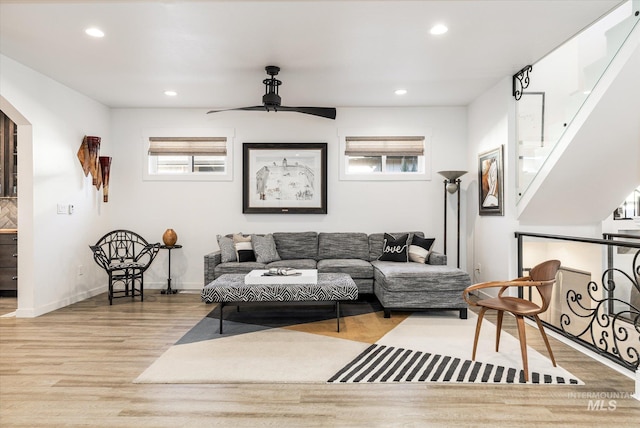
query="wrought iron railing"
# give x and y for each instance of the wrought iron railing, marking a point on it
(597, 292)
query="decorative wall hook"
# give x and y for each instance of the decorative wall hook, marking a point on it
(521, 81)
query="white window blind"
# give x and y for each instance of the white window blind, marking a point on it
(187, 146)
(384, 146)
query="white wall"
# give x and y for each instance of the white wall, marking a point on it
(199, 210)
(490, 239)
(52, 120)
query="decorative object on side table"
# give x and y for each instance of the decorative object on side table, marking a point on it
(452, 185)
(284, 178)
(490, 180)
(169, 237)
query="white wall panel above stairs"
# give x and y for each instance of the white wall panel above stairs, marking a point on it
(596, 163)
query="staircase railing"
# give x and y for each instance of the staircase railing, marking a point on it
(596, 298)
(552, 91)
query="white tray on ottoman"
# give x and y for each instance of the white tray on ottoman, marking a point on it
(307, 276)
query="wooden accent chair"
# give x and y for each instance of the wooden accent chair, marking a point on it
(542, 276)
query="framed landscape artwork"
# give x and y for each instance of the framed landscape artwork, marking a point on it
(288, 178)
(490, 179)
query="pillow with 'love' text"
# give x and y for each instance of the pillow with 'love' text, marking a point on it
(394, 249)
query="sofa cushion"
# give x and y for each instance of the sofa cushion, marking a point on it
(356, 268)
(376, 239)
(420, 248)
(395, 248)
(343, 246)
(244, 249)
(437, 258)
(237, 267)
(265, 248)
(293, 263)
(227, 249)
(406, 277)
(297, 245)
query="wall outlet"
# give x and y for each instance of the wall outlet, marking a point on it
(80, 270)
(478, 268)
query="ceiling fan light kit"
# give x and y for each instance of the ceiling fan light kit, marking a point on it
(271, 100)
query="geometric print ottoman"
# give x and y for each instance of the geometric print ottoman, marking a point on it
(231, 289)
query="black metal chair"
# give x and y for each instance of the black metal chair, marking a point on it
(125, 256)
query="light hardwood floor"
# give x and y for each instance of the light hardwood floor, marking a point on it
(75, 367)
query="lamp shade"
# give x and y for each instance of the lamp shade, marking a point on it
(452, 175)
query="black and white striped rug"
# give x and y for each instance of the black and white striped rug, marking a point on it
(301, 345)
(380, 363)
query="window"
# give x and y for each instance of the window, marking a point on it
(383, 158)
(187, 158)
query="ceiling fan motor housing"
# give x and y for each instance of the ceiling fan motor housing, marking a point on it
(271, 99)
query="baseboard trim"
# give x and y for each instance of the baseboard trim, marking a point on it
(41, 310)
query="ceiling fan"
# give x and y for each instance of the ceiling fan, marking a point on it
(271, 100)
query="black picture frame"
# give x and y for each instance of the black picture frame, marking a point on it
(284, 178)
(491, 182)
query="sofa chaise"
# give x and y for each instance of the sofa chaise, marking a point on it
(398, 285)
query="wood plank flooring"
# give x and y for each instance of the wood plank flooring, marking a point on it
(75, 366)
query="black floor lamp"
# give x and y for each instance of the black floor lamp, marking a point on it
(452, 185)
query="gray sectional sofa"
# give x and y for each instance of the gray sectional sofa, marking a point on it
(397, 285)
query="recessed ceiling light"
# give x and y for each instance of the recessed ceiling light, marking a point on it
(170, 93)
(438, 29)
(400, 91)
(94, 32)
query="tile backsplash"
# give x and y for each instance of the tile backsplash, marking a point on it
(8, 213)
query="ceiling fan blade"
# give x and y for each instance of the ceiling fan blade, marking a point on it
(271, 100)
(326, 112)
(252, 108)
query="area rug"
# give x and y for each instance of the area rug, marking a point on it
(300, 345)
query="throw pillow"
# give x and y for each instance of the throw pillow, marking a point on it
(227, 249)
(265, 248)
(244, 249)
(394, 249)
(420, 248)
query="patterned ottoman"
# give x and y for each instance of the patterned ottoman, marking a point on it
(231, 289)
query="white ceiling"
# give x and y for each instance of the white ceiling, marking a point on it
(332, 53)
